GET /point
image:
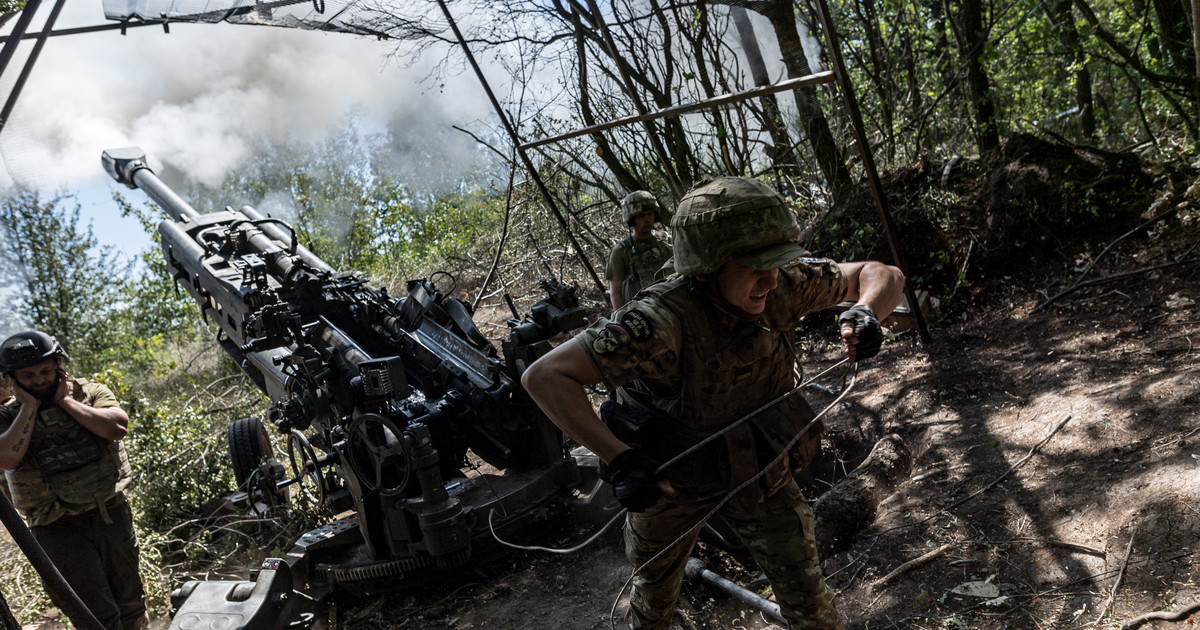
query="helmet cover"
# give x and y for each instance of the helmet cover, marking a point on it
(733, 218)
(637, 202)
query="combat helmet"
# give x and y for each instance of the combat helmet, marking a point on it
(637, 202)
(28, 348)
(733, 218)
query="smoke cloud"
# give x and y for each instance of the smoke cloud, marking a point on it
(199, 99)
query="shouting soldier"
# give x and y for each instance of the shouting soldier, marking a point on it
(693, 356)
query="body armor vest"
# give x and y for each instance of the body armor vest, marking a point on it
(67, 469)
(729, 367)
(645, 259)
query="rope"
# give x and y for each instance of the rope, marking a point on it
(783, 453)
(692, 449)
(728, 496)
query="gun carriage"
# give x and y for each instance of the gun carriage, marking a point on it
(387, 404)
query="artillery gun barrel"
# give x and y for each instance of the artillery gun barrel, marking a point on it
(128, 166)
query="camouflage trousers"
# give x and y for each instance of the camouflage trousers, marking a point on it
(99, 559)
(777, 530)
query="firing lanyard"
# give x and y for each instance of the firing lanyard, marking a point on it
(783, 453)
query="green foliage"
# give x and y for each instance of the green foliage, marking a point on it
(67, 283)
(905, 56)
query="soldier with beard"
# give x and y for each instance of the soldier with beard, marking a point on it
(67, 471)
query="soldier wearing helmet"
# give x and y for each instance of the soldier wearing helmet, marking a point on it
(66, 471)
(703, 365)
(637, 260)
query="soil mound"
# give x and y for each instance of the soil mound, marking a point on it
(1008, 208)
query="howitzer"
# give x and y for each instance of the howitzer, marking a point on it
(387, 404)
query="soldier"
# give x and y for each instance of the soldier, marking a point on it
(67, 472)
(693, 356)
(636, 261)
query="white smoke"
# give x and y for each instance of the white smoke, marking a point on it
(198, 99)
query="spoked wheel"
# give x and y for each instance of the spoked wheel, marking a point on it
(306, 469)
(378, 455)
(249, 450)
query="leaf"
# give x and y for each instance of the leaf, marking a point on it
(977, 589)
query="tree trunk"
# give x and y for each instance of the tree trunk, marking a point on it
(782, 154)
(1175, 29)
(625, 178)
(816, 128)
(973, 40)
(849, 506)
(1062, 21)
(882, 75)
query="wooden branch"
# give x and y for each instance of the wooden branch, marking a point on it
(1033, 450)
(1054, 542)
(1182, 615)
(916, 562)
(1112, 594)
(1130, 58)
(1079, 282)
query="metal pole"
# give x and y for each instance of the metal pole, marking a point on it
(82, 29)
(63, 595)
(695, 570)
(651, 133)
(28, 67)
(684, 108)
(864, 150)
(512, 133)
(14, 38)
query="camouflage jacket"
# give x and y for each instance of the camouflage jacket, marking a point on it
(676, 350)
(67, 470)
(636, 264)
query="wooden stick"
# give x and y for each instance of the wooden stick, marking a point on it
(1054, 542)
(1162, 616)
(1115, 276)
(1079, 281)
(1014, 466)
(916, 562)
(1121, 574)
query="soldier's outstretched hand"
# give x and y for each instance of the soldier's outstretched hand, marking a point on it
(861, 331)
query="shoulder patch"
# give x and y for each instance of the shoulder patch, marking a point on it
(637, 324)
(611, 337)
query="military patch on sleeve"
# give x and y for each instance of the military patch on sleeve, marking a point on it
(611, 337)
(637, 324)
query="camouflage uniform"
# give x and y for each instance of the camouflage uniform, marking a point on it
(70, 487)
(676, 350)
(636, 264)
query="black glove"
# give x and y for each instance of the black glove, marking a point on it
(866, 329)
(634, 480)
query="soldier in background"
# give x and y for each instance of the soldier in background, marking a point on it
(67, 472)
(689, 359)
(636, 261)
